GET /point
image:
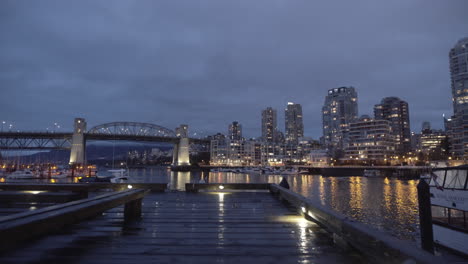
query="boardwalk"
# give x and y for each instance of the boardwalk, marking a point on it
(179, 227)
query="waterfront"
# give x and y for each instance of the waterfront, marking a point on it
(387, 204)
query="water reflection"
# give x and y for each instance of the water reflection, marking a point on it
(385, 203)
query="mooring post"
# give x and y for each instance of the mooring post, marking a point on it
(132, 210)
(425, 216)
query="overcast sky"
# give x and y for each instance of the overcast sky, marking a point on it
(208, 63)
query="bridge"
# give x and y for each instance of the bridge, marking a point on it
(123, 131)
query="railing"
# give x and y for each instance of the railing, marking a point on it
(377, 246)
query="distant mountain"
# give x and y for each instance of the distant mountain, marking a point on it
(94, 152)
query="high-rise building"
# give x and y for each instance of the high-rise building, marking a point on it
(269, 125)
(235, 131)
(396, 111)
(458, 57)
(340, 109)
(293, 123)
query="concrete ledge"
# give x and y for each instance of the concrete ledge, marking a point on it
(195, 187)
(375, 245)
(82, 187)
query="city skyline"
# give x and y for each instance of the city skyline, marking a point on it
(146, 66)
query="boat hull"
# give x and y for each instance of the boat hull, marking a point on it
(450, 238)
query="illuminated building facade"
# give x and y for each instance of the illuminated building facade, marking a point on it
(396, 111)
(458, 58)
(371, 141)
(432, 141)
(269, 125)
(339, 110)
(294, 127)
(235, 131)
(227, 152)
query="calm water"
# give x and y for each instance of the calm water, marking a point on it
(387, 204)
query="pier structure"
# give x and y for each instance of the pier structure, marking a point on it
(206, 223)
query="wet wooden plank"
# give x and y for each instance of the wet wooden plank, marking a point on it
(179, 227)
(24, 226)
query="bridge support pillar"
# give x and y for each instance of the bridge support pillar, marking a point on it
(175, 153)
(77, 153)
(181, 154)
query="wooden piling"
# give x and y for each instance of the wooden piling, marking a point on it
(425, 216)
(132, 210)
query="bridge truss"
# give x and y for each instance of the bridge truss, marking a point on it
(128, 131)
(131, 129)
(34, 141)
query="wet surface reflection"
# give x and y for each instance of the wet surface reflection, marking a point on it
(387, 204)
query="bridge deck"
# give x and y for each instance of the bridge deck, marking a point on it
(179, 227)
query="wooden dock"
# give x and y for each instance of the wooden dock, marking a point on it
(184, 227)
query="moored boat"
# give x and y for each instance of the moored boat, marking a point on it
(23, 174)
(371, 173)
(449, 202)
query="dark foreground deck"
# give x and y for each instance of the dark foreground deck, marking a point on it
(180, 227)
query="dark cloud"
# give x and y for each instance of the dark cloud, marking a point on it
(208, 63)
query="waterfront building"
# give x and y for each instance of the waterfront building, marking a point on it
(339, 110)
(305, 146)
(396, 111)
(294, 126)
(458, 58)
(235, 131)
(272, 154)
(230, 152)
(434, 144)
(371, 141)
(252, 152)
(318, 158)
(269, 125)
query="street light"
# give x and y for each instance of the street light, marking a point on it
(3, 123)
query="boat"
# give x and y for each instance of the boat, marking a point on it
(371, 173)
(119, 175)
(449, 204)
(118, 172)
(23, 174)
(123, 179)
(292, 171)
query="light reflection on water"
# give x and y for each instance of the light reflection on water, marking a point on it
(387, 204)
